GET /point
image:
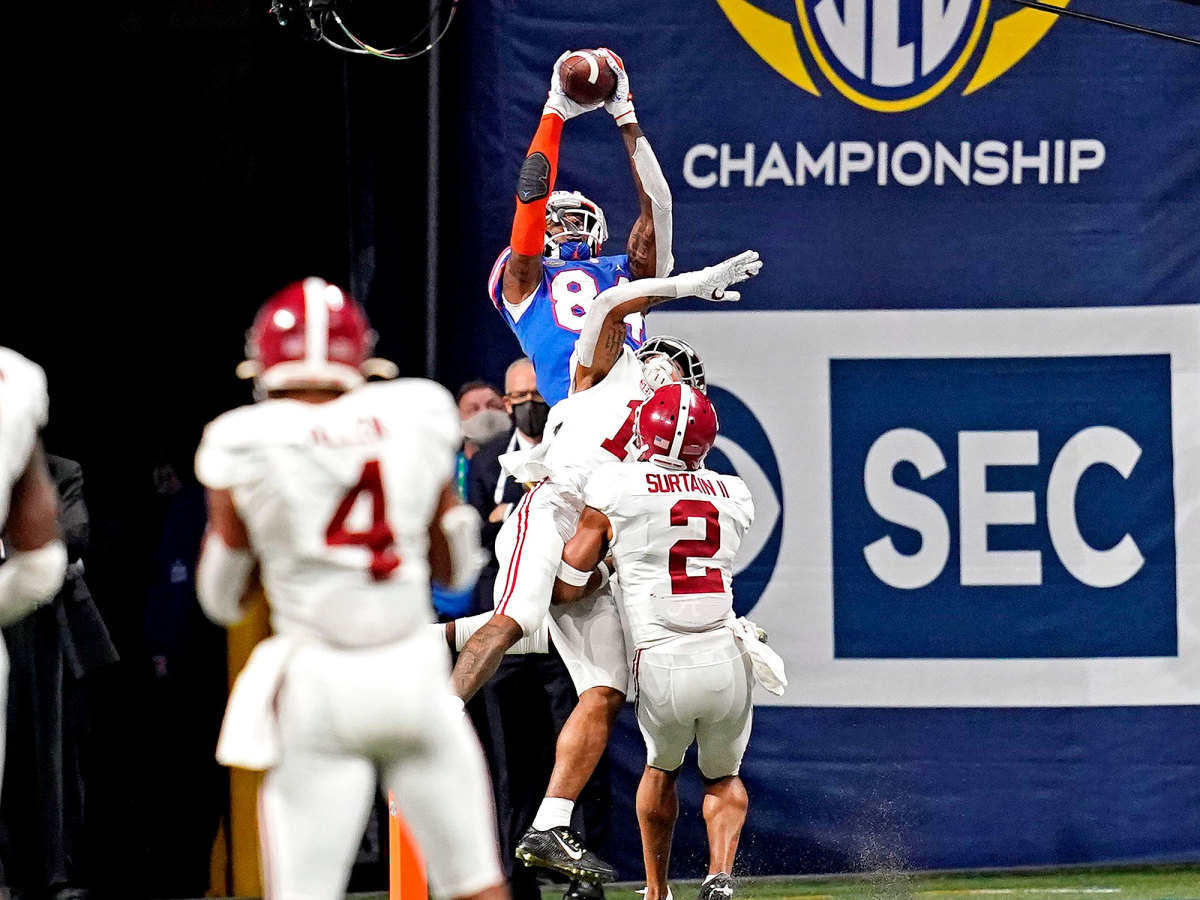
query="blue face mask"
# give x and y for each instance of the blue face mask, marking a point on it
(574, 250)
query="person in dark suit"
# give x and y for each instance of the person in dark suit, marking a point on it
(52, 651)
(523, 707)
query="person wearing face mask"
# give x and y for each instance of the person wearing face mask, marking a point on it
(519, 713)
(483, 413)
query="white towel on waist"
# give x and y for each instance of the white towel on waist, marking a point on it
(250, 731)
(766, 663)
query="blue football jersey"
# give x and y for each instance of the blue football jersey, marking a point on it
(548, 322)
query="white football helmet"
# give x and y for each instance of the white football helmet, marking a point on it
(663, 357)
(584, 229)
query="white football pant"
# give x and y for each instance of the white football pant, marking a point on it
(696, 687)
(347, 716)
(588, 634)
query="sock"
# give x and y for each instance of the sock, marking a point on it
(709, 878)
(554, 812)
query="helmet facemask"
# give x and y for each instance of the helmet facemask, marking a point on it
(583, 227)
(679, 354)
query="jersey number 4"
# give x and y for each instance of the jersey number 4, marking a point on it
(710, 581)
(379, 538)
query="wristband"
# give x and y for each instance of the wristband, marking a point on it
(570, 575)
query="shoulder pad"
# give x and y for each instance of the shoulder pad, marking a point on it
(603, 488)
(420, 402)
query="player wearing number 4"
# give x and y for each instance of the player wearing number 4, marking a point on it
(545, 282)
(673, 529)
(341, 493)
(589, 428)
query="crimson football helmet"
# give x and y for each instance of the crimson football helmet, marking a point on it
(311, 334)
(676, 427)
(584, 227)
(663, 356)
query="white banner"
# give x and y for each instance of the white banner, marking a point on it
(1039, 526)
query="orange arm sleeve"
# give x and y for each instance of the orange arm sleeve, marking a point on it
(534, 185)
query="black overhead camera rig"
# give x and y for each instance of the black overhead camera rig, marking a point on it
(313, 18)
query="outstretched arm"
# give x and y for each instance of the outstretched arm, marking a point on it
(650, 238)
(523, 269)
(603, 333)
(577, 576)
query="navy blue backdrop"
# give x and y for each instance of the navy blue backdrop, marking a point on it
(974, 443)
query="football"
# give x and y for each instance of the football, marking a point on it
(586, 77)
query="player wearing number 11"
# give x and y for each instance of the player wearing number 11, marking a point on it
(340, 491)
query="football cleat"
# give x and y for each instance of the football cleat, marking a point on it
(584, 890)
(561, 850)
(719, 887)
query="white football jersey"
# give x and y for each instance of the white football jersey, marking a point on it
(675, 536)
(337, 498)
(24, 408)
(584, 431)
(595, 426)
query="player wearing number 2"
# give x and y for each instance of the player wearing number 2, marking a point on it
(545, 282)
(673, 529)
(340, 492)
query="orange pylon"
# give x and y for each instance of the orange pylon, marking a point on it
(406, 870)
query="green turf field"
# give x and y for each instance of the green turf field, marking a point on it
(1160, 883)
(1157, 883)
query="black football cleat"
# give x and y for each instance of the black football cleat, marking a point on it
(561, 849)
(720, 887)
(583, 890)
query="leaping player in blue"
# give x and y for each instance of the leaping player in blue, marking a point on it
(544, 282)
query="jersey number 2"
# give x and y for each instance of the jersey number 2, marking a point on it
(378, 538)
(710, 582)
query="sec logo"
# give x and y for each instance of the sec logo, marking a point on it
(890, 55)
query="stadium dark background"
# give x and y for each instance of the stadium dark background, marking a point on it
(178, 162)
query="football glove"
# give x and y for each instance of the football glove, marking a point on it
(710, 283)
(620, 105)
(557, 101)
